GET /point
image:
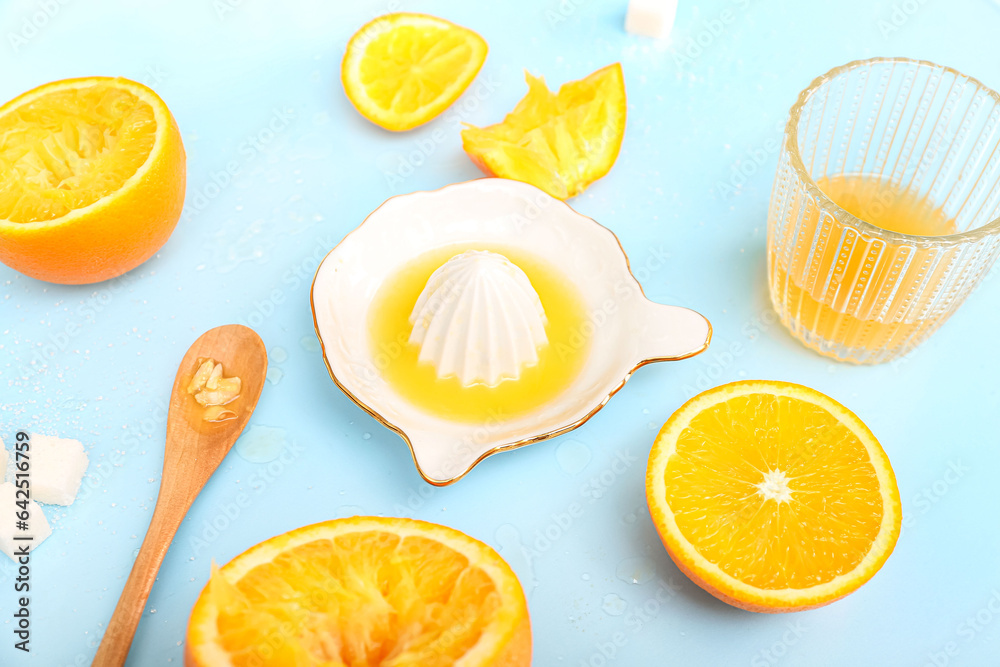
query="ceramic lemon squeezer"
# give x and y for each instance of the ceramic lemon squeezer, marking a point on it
(485, 316)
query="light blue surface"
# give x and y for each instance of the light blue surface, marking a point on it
(248, 251)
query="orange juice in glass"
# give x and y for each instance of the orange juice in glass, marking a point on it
(885, 211)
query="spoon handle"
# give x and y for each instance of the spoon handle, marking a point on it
(117, 641)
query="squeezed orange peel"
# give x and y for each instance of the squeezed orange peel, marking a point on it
(559, 142)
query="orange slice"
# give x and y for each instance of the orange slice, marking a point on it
(402, 70)
(561, 142)
(92, 179)
(363, 592)
(772, 496)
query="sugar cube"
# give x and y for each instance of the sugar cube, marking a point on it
(651, 18)
(38, 526)
(57, 467)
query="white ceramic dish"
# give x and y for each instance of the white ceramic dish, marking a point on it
(628, 329)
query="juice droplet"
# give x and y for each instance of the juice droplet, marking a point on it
(261, 444)
(573, 456)
(614, 605)
(636, 570)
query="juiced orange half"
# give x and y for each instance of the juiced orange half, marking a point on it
(93, 179)
(363, 592)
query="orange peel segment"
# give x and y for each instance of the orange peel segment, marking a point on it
(559, 142)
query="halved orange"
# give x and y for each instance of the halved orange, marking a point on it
(561, 142)
(92, 179)
(402, 70)
(363, 592)
(772, 496)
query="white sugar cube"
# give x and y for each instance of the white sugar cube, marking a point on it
(651, 18)
(57, 467)
(38, 526)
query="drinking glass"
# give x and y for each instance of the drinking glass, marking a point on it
(843, 286)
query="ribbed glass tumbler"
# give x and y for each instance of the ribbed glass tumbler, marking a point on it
(844, 286)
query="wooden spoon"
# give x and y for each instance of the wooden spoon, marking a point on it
(194, 449)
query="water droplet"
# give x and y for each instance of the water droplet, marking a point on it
(573, 456)
(274, 374)
(261, 444)
(630, 517)
(366, 436)
(278, 355)
(614, 605)
(509, 544)
(585, 576)
(636, 570)
(309, 343)
(349, 510)
(645, 411)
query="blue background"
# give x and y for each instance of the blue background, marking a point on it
(570, 520)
